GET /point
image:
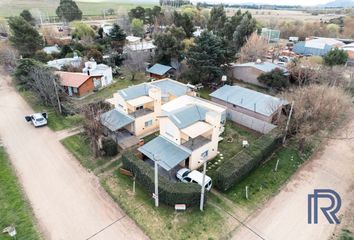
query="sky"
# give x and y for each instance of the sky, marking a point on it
(281, 2)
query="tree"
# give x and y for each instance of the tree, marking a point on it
(138, 27)
(138, 12)
(95, 54)
(275, 79)
(246, 27)
(92, 126)
(8, 55)
(28, 17)
(117, 34)
(42, 56)
(24, 37)
(206, 57)
(82, 31)
(184, 21)
(68, 11)
(45, 85)
(336, 57)
(317, 108)
(169, 45)
(217, 19)
(22, 72)
(135, 62)
(255, 48)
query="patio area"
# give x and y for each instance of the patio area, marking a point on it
(196, 143)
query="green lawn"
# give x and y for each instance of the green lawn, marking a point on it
(264, 181)
(55, 121)
(79, 146)
(14, 209)
(231, 145)
(204, 93)
(164, 222)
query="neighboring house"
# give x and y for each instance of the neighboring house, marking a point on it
(143, 104)
(250, 108)
(133, 40)
(144, 46)
(317, 46)
(249, 72)
(76, 84)
(107, 29)
(59, 63)
(160, 71)
(51, 49)
(94, 69)
(190, 130)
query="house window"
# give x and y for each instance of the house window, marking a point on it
(148, 123)
(139, 107)
(75, 90)
(204, 154)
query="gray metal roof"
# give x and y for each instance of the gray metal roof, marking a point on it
(166, 153)
(170, 86)
(159, 69)
(188, 115)
(115, 119)
(264, 66)
(135, 91)
(252, 100)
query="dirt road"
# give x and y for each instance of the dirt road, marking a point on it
(285, 216)
(68, 202)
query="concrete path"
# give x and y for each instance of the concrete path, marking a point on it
(68, 202)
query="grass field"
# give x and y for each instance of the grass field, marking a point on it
(14, 209)
(55, 121)
(47, 7)
(79, 146)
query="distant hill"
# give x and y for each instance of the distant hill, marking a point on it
(339, 3)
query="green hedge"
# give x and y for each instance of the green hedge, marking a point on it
(238, 167)
(170, 193)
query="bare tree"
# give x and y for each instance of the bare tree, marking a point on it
(92, 126)
(255, 48)
(8, 55)
(135, 62)
(123, 20)
(44, 83)
(317, 109)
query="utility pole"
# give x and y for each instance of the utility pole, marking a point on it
(156, 184)
(288, 121)
(203, 184)
(57, 95)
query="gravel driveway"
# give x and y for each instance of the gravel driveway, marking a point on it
(67, 201)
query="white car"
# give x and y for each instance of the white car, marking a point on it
(188, 176)
(38, 119)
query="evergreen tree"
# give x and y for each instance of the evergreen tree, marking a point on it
(24, 37)
(28, 17)
(336, 57)
(184, 21)
(274, 79)
(137, 27)
(217, 19)
(138, 12)
(246, 27)
(68, 11)
(206, 57)
(117, 34)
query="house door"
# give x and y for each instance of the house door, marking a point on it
(70, 90)
(186, 163)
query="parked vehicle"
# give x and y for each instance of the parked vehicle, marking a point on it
(188, 176)
(38, 119)
(284, 59)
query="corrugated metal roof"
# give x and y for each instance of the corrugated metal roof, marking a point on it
(264, 66)
(115, 119)
(135, 91)
(166, 153)
(169, 86)
(188, 115)
(252, 100)
(159, 69)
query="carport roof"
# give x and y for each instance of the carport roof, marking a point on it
(167, 154)
(115, 119)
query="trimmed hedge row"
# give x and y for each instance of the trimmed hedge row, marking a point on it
(170, 193)
(238, 167)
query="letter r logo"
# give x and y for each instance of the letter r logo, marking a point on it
(330, 211)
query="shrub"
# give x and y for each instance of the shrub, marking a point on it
(109, 147)
(238, 167)
(170, 193)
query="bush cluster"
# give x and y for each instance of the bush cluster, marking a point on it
(109, 146)
(238, 167)
(170, 193)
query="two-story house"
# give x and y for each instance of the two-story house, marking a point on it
(190, 130)
(137, 107)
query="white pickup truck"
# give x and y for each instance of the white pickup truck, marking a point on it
(188, 176)
(38, 119)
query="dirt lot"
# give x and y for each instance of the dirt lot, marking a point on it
(67, 201)
(285, 216)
